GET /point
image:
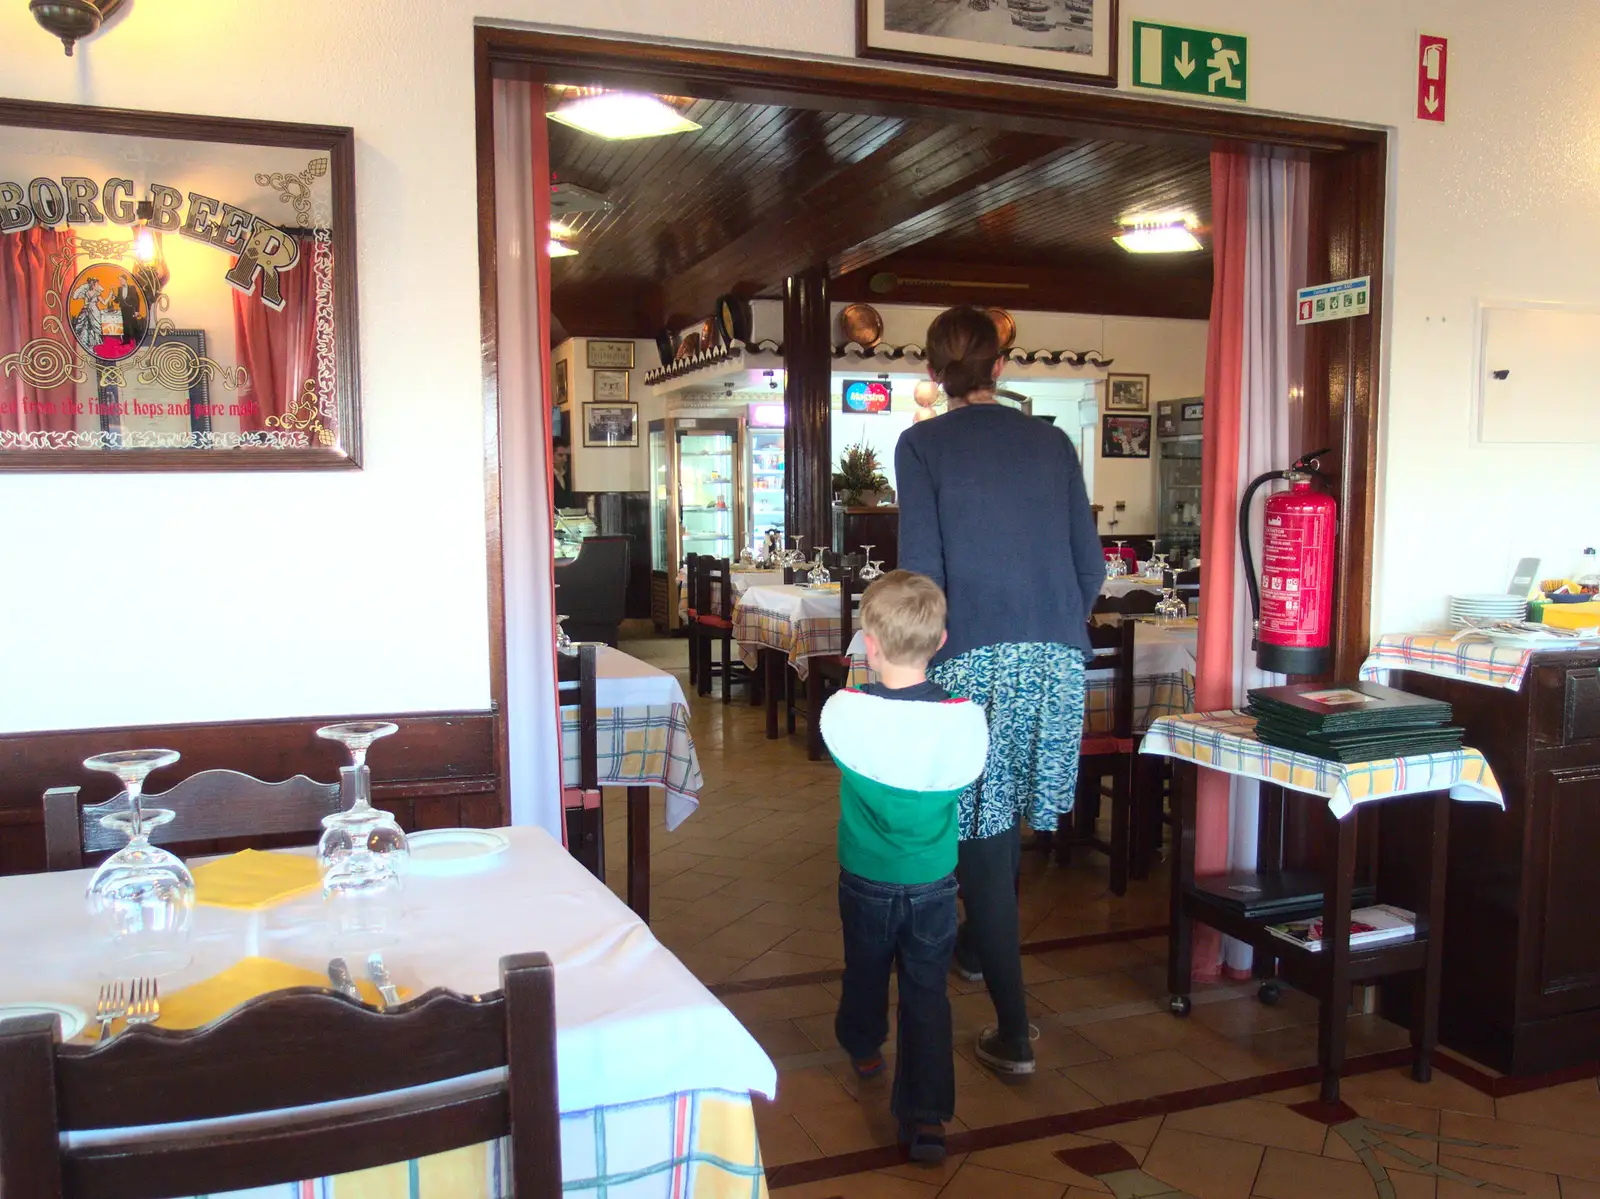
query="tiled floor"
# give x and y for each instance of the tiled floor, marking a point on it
(1128, 1100)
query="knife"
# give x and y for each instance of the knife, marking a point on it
(339, 976)
(379, 974)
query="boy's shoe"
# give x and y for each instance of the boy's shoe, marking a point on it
(924, 1143)
(966, 968)
(867, 1067)
(1005, 1057)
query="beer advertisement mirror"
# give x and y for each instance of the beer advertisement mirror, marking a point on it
(175, 292)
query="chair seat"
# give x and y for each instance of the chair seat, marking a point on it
(1102, 744)
(693, 615)
(576, 797)
(714, 622)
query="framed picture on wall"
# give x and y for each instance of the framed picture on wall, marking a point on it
(1125, 437)
(1072, 40)
(1127, 393)
(561, 383)
(610, 355)
(610, 426)
(1194, 411)
(611, 386)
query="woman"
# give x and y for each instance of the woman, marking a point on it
(993, 509)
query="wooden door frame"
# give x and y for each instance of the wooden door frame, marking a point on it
(1349, 170)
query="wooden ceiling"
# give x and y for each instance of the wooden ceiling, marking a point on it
(761, 192)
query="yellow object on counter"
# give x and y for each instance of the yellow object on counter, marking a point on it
(1571, 616)
(253, 878)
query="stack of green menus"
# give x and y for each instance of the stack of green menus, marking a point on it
(1362, 722)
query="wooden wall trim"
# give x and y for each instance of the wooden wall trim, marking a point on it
(440, 769)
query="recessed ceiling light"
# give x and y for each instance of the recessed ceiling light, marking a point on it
(1159, 233)
(622, 116)
(561, 249)
(561, 229)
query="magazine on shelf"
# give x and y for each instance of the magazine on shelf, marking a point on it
(1368, 926)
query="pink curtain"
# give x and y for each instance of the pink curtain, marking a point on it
(1219, 507)
(1253, 413)
(24, 280)
(277, 348)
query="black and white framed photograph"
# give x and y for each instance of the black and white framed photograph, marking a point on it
(1125, 437)
(610, 355)
(611, 426)
(611, 387)
(1054, 39)
(1127, 393)
(1194, 411)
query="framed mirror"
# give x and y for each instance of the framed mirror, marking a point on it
(176, 292)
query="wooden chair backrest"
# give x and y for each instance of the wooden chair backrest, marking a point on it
(691, 583)
(1139, 602)
(850, 590)
(716, 575)
(208, 806)
(288, 1049)
(1113, 650)
(575, 680)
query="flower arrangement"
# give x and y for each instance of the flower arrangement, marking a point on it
(859, 474)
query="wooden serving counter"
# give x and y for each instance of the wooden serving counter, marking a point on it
(1521, 984)
(878, 527)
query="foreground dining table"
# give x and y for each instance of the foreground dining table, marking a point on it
(642, 741)
(655, 1074)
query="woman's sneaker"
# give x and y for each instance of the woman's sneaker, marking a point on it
(969, 970)
(1005, 1057)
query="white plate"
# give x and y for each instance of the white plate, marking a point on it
(444, 851)
(72, 1019)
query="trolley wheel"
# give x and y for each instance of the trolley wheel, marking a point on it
(1179, 1005)
(1269, 994)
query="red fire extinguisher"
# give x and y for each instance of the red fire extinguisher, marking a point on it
(1293, 606)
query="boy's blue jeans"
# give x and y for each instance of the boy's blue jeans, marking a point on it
(912, 928)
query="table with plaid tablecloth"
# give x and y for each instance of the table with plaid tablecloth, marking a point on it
(799, 622)
(1163, 676)
(1226, 741)
(1472, 661)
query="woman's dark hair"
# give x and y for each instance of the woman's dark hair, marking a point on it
(963, 345)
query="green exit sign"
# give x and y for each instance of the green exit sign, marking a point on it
(1192, 62)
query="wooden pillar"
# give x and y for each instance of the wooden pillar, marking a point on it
(808, 369)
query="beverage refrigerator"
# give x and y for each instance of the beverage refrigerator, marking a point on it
(764, 468)
(1180, 426)
(697, 487)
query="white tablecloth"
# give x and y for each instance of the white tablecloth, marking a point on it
(1119, 587)
(623, 681)
(631, 1022)
(743, 580)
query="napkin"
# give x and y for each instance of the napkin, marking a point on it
(253, 879)
(203, 1002)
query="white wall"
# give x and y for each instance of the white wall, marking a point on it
(277, 594)
(602, 468)
(1171, 352)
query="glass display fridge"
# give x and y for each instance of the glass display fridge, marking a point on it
(696, 502)
(1180, 427)
(764, 467)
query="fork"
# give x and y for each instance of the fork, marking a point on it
(144, 1002)
(113, 1003)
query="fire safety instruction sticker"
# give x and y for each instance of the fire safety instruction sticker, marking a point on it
(1333, 301)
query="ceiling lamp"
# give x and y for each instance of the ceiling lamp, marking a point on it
(561, 229)
(71, 20)
(1159, 233)
(621, 116)
(559, 249)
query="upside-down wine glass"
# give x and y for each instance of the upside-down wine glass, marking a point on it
(796, 557)
(819, 576)
(363, 852)
(1170, 609)
(873, 569)
(564, 644)
(142, 896)
(1116, 564)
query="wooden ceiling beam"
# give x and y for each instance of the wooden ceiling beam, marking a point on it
(1101, 285)
(922, 168)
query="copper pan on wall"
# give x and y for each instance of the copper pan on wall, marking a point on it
(861, 324)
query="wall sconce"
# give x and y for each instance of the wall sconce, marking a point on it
(149, 257)
(70, 20)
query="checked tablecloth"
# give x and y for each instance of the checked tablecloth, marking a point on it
(1226, 741)
(800, 622)
(1435, 653)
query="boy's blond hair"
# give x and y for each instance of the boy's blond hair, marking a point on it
(905, 613)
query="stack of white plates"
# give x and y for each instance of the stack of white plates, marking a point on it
(1486, 609)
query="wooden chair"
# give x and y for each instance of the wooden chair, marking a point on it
(1103, 754)
(1140, 602)
(691, 628)
(286, 1050)
(581, 806)
(714, 601)
(828, 673)
(1187, 585)
(209, 806)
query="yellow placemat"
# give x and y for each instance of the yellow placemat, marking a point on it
(203, 1002)
(252, 879)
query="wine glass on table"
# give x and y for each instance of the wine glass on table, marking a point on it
(796, 557)
(363, 852)
(819, 576)
(1116, 564)
(1169, 608)
(872, 569)
(142, 896)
